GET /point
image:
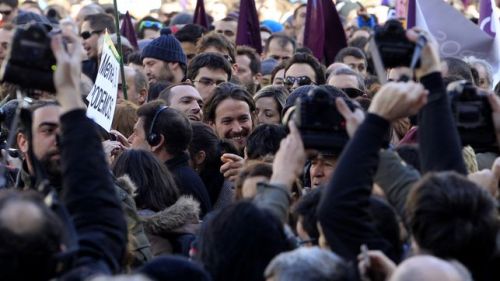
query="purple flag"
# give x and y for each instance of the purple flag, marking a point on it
(462, 38)
(335, 39)
(248, 26)
(314, 30)
(200, 16)
(325, 44)
(485, 11)
(410, 19)
(128, 30)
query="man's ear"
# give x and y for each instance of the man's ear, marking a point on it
(143, 96)
(158, 147)
(235, 68)
(199, 158)
(257, 78)
(174, 65)
(22, 142)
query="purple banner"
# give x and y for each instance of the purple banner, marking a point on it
(485, 11)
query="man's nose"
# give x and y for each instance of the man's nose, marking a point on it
(236, 128)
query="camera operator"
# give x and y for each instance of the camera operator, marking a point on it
(346, 199)
(32, 235)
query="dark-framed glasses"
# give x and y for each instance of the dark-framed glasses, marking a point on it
(300, 80)
(87, 34)
(209, 82)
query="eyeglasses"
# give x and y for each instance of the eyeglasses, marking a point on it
(87, 34)
(353, 92)
(5, 13)
(207, 82)
(150, 24)
(228, 33)
(301, 81)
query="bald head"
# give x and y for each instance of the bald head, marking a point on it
(333, 67)
(428, 268)
(21, 217)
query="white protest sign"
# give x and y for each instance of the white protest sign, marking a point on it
(102, 97)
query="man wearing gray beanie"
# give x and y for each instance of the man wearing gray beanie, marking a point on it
(164, 60)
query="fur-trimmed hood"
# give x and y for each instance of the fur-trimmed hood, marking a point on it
(183, 216)
(127, 185)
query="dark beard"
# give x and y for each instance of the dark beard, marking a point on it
(53, 170)
(251, 88)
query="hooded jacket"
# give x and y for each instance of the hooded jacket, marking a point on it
(138, 242)
(172, 230)
(189, 182)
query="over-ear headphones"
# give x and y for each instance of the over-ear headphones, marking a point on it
(154, 138)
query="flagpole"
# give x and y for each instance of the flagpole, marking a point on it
(120, 50)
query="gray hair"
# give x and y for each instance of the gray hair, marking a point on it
(140, 80)
(348, 71)
(92, 9)
(473, 61)
(307, 264)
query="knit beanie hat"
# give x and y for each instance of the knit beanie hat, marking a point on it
(299, 92)
(166, 48)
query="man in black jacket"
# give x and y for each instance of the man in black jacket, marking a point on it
(32, 237)
(167, 133)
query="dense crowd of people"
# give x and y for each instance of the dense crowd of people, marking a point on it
(219, 165)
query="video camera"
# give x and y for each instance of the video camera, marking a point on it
(394, 48)
(321, 125)
(473, 116)
(30, 63)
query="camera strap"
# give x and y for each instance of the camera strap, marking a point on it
(377, 61)
(419, 46)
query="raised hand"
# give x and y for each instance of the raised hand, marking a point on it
(397, 100)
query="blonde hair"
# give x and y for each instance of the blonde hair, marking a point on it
(125, 118)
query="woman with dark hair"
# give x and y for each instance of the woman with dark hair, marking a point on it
(170, 220)
(238, 242)
(206, 150)
(269, 102)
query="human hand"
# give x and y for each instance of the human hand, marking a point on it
(120, 138)
(429, 58)
(352, 118)
(375, 266)
(232, 166)
(488, 179)
(68, 72)
(290, 159)
(112, 149)
(397, 100)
